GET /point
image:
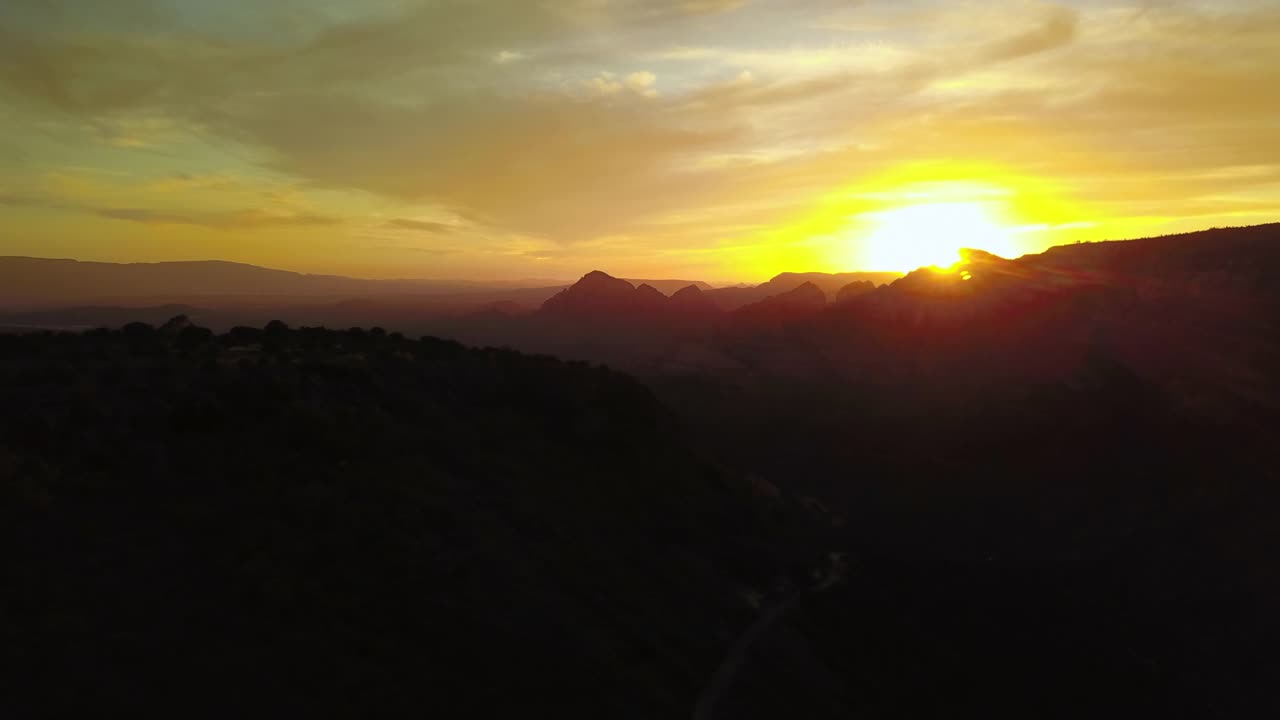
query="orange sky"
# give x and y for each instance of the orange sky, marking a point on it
(710, 139)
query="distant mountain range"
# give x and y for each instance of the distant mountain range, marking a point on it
(39, 281)
(69, 294)
(32, 282)
(600, 308)
(599, 293)
(1052, 476)
(829, 284)
(1040, 311)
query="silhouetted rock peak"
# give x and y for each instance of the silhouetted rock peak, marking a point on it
(599, 293)
(806, 299)
(599, 280)
(791, 281)
(649, 298)
(855, 289)
(692, 299)
(805, 296)
(648, 290)
(669, 286)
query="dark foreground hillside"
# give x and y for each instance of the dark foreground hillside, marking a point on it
(357, 524)
(1089, 548)
(1056, 479)
(1059, 473)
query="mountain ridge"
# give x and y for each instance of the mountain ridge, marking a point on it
(30, 281)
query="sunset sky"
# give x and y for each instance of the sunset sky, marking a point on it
(706, 139)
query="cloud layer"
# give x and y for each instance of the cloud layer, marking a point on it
(724, 137)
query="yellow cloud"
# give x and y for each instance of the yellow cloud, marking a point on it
(752, 133)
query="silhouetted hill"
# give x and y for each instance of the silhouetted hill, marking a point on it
(1223, 260)
(358, 523)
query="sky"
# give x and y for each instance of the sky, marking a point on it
(721, 140)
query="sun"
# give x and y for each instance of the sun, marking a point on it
(931, 234)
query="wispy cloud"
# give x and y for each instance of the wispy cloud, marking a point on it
(427, 226)
(433, 252)
(241, 220)
(1059, 29)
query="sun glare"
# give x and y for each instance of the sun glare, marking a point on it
(931, 234)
